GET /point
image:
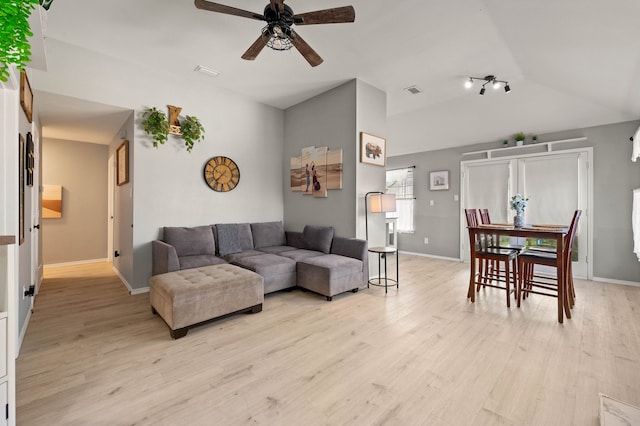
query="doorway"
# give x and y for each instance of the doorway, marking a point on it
(556, 183)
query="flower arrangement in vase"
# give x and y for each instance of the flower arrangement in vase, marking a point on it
(518, 203)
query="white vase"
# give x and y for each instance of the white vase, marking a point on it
(518, 220)
(519, 143)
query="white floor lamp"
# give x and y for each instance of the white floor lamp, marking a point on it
(379, 202)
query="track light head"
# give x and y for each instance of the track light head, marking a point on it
(495, 83)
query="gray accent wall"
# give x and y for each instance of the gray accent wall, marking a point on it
(335, 119)
(615, 177)
(328, 119)
(81, 169)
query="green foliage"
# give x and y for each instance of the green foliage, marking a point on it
(156, 125)
(519, 136)
(192, 131)
(14, 34)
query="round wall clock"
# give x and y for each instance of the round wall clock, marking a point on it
(221, 174)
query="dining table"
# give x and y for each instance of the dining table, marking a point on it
(551, 232)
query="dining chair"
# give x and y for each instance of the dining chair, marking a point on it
(489, 276)
(530, 282)
(485, 218)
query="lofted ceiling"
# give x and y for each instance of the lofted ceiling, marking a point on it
(580, 57)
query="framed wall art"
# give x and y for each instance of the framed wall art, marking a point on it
(439, 181)
(51, 201)
(30, 159)
(26, 96)
(122, 163)
(21, 154)
(373, 149)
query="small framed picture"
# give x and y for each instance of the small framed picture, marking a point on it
(439, 181)
(26, 96)
(373, 149)
(122, 163)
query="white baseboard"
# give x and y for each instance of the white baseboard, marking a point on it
(612, 281)
(79, 262)
(23, 332)
(132, 291)
(433, 256)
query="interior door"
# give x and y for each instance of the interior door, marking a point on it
(36, 214)
(486, 184)
(556, 183)
(557, 186)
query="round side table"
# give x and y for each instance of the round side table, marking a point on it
(385, 281)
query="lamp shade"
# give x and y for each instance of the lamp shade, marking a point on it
(382, 203)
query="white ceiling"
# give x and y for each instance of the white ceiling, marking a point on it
(583, 55)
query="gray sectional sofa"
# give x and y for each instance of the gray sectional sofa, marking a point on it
(314, 259)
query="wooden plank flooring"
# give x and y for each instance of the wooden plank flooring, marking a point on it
(423, 355)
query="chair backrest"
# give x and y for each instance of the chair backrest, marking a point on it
(568, 242)
(472, 217)
(484, 216)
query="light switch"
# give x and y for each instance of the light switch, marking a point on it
(455, 197)
(431, 203)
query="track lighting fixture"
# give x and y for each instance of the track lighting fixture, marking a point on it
(488, 79)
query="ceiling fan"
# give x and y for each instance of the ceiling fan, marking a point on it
(278, 33)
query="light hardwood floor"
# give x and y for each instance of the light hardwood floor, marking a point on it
(423, 355)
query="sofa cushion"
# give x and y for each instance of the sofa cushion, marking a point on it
(245, 237)
(276, 249)
(300, 254)
(267, 234)
(245, 253)
(228, 241)
(188, 262)
(190, 241)
(318, 238)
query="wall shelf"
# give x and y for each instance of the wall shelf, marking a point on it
(7, 239)
(548, 145)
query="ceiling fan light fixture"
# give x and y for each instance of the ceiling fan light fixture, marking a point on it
(489, 79)
(468, 83)
(277, 39)
(496, 84)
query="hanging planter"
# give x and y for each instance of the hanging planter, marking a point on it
(14, 33)
(192, 131)
(157, 126)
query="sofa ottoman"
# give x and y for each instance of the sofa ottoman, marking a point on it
(279, 272)
(192, 296)
(330, 274)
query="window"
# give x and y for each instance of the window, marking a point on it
(400, 182)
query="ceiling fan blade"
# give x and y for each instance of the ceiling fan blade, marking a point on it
(277, 5)
(254, 50)
(309, 54)
(221, 8)
(336, 15)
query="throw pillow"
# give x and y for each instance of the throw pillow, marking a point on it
(318, 238)
(193, 241)
(267, 234)
(228, 242)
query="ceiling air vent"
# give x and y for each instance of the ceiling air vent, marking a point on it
(414, 90)
(207, 71)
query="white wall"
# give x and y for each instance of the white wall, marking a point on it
(168, 187)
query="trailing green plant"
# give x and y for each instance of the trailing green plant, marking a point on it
(192, 131)
(156, 125)
(520, 136)
(14, 33)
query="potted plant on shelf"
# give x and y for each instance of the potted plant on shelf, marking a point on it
(156, 125)
(519, 137)
(505, 143)
(192, 131)
(534, 139)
